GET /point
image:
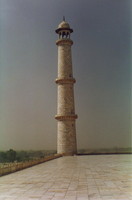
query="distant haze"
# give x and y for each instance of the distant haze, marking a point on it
(101, 65)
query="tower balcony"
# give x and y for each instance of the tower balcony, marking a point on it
(65, 117)
(65, 81)
(64, 41)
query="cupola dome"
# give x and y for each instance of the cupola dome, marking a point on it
(64, 24)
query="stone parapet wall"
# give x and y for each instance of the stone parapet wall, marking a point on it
(13, 167)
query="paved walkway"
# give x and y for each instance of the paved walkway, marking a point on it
(100, 177)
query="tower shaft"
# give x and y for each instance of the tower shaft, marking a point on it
(66, 137)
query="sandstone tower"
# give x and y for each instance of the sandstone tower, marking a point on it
(66, 137)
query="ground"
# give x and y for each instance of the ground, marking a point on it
(96, 177)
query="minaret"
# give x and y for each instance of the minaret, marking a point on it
(66, 137)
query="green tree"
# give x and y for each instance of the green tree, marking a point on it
(3, 157)
(22, 156)
(11, 155)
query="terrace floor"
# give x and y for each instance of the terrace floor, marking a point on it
(100, 177)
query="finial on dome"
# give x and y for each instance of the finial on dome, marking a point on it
(64, 18)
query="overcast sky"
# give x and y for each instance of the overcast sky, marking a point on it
(101, 66)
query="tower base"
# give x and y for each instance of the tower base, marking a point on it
(66, 141)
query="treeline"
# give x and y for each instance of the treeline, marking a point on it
(114, 150)
(20, 156)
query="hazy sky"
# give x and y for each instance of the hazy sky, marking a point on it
(28, 68)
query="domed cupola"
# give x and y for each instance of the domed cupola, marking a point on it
(64, 30)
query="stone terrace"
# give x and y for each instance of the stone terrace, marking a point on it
(100, 177)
